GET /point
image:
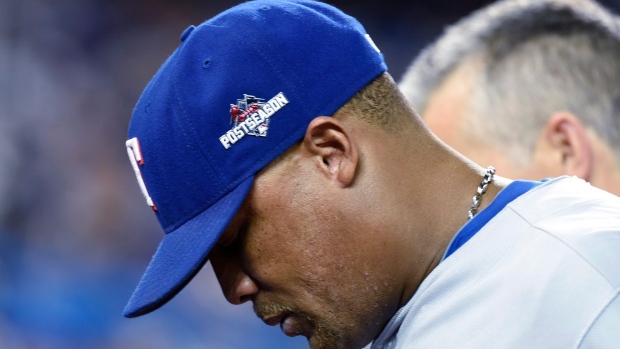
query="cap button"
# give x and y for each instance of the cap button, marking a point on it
(186, 32)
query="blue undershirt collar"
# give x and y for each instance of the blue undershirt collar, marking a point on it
(507, 195)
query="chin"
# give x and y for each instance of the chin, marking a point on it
(319, 343)
(332, 342)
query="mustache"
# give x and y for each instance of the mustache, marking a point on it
(269, 310)
(326, 338)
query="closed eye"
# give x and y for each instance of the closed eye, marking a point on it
(234, 241)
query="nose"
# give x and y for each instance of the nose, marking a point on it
(238, 287)
(244, 290)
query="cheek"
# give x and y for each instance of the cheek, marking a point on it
(545, 165)
(289, 241)
(300, 238)
(288, 219)
(298, 247)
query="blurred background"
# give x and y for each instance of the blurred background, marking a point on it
(75, 233)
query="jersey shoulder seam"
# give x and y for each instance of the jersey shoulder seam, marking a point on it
(564, 243)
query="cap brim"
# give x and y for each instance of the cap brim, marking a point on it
(183, 252)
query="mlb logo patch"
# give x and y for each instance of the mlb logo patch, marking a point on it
(251, 116)
(244, 108)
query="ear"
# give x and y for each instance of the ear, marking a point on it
(567, 135)
(334, 149)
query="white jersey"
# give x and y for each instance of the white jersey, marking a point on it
(543, 273)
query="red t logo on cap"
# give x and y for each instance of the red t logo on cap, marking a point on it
(135, 156)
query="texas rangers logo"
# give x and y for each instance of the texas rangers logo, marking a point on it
(251, 116)
(135, 156)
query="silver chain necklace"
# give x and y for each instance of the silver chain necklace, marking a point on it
(482, 188)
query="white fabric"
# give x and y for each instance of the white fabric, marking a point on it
(543, 273)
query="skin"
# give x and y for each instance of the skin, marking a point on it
(564, 146)
(338, 232)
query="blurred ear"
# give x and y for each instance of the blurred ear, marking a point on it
(567, 135)
(332, 145)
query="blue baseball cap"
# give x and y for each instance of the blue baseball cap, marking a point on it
(239, 91)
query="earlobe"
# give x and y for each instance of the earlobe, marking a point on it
(565, 133)
(333, 146)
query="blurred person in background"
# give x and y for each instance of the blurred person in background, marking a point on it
(531, 86)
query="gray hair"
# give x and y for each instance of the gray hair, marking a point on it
(535, 57)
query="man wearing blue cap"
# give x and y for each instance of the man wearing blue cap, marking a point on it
(320, 196)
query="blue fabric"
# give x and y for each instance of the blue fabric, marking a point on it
(507, 195)
(314, 54)
(181, 255)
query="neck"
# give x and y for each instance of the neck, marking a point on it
(419, 192)
(438, 198)
(605, 169)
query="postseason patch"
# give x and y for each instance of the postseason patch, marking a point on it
(251, 117)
